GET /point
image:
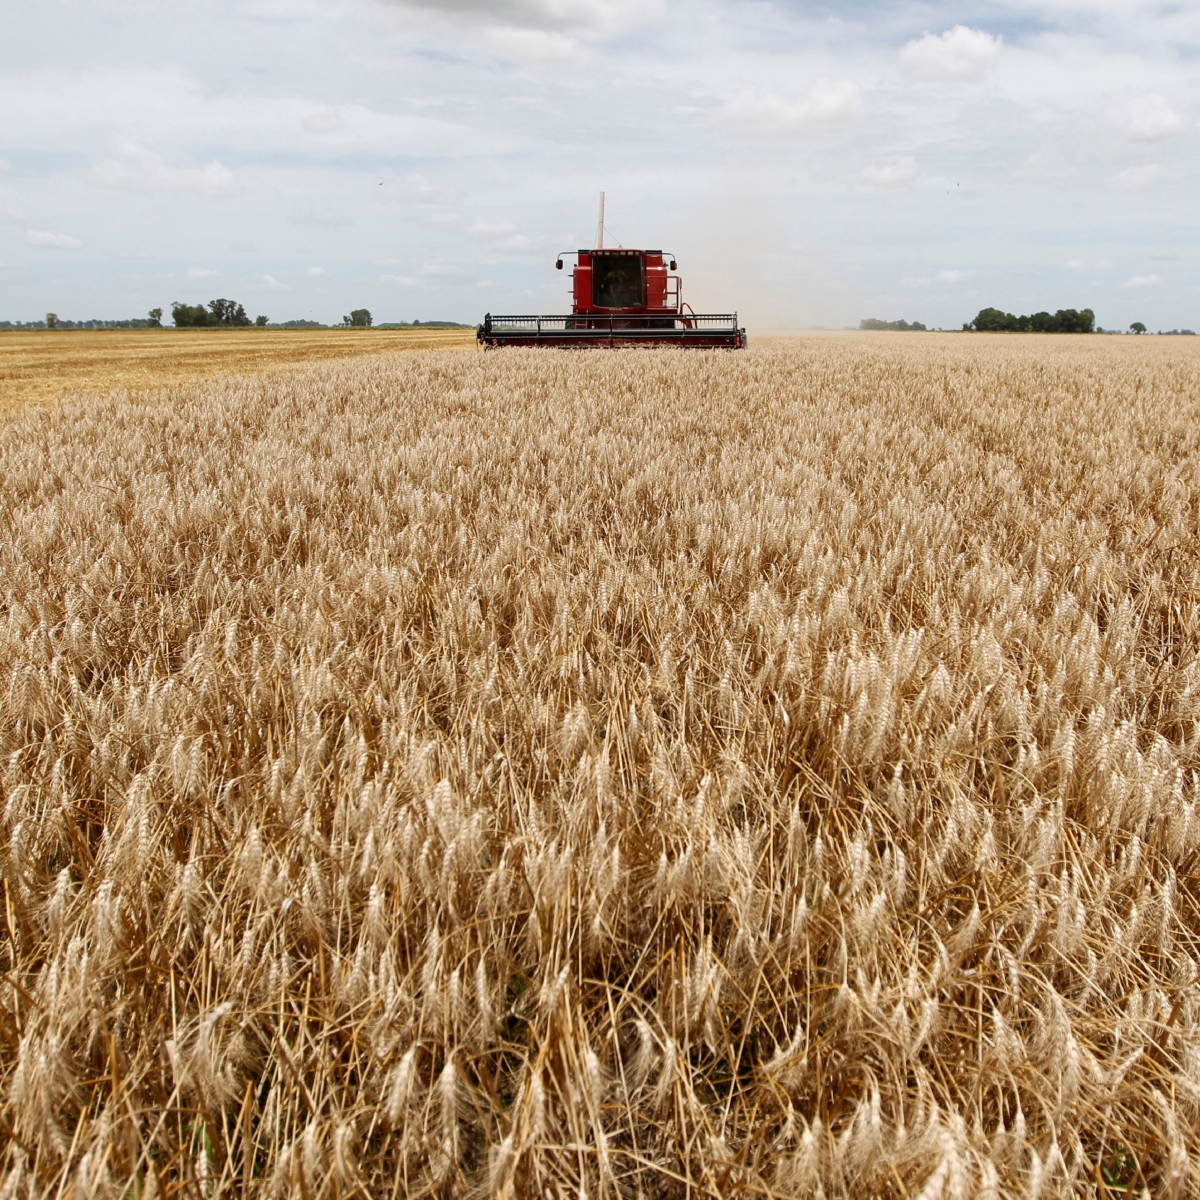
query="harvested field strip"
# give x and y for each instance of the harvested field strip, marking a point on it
(652, 773)
(41, 365)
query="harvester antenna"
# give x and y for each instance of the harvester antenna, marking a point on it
(600, 230)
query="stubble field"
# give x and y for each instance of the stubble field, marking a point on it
(634, 773)
(40, 366)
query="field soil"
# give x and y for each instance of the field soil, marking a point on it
(642, 773)
(38, 366)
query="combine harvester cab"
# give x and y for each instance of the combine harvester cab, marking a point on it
(619, 298)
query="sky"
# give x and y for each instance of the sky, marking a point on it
(807, 163)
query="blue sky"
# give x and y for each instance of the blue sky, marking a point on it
(807, 163)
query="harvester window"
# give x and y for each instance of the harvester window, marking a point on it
(617, 281)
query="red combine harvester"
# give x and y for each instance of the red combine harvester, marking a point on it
(619, 298)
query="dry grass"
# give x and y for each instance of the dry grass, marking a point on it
(41, 365)
(641, 773)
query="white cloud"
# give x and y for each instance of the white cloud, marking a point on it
(828, 101)
(5, 165)
(324, 218)
(202, 273)
(959, 53)
(136, 169)
(415, 188)
(503, 236)
(1139, 281)
(316, 273)
(540, 48)
(1152, 118)
(274, 283)
(323, 122)
(608, 16)
(1073, 264)
(1133, 179)
(189, 108)
(899, 172)
(442, 271)
(401, 281)
(519, 244)
(490, 229)
(948, 277)
(1051, 165)
(52, 241)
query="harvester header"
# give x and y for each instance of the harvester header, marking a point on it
(619, 297)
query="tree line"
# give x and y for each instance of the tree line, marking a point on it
(222, 313)
(897, 326)
(53, 321)
(1066, 320)
(229, 314)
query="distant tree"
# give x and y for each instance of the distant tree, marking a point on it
(52, 320)
(1138, 327)
(189, 316)
(219, 312)
(1070, 321)
(898, 326)
(227, 312)
(992, 320)
(359, 318)
(155, 317)
(261, 321)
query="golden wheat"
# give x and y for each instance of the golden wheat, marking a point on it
(541, 774)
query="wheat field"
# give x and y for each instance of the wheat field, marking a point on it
(622, 774)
